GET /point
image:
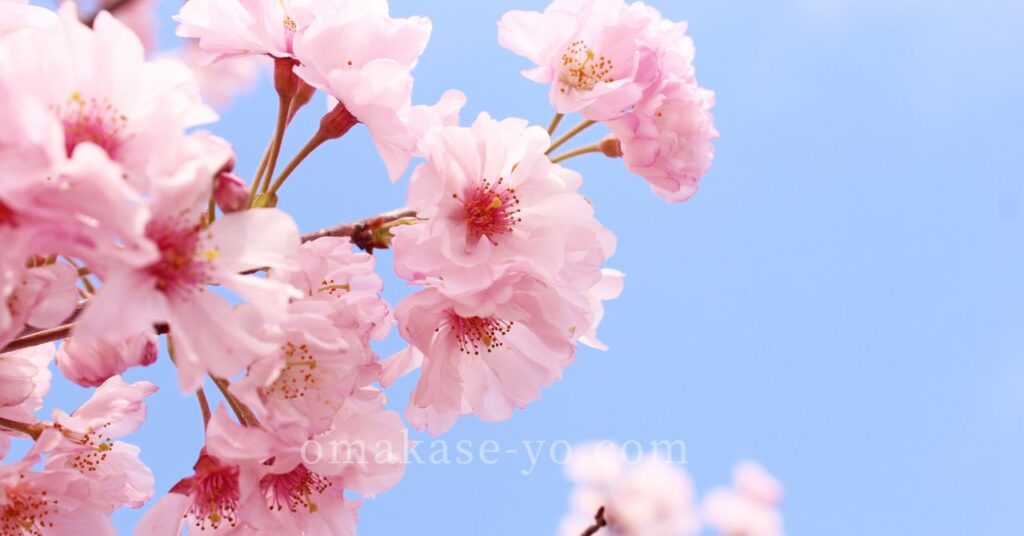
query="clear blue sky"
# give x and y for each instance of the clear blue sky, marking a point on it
(842, 300)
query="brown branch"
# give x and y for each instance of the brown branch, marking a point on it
(31, 430)
(361, 233)
(599, 522)
(354, 229)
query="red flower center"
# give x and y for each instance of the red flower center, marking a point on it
(294, 490)
(490, 210)
(476, 333)
(92, 121)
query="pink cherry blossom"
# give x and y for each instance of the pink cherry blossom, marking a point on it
(592, 52)
(24, 381)
(18, 15)
(362, 57)
(488, 353)
(42, 297)
(208, 335)
(667, 139)
(227, 28)
(49, 502)
(100, 89)
(306, 383)
(750, 508)
(647, 497)
(329, 271)
(206, 502)
(141, 17)
(491, 200)
(90, 363)
(224, 80)
(86, 441)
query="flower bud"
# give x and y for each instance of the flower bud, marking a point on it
(286, 82)
(611, 147)
(337, 122)
(230, 193)
(90, 363)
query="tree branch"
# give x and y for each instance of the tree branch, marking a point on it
(599, 522)
(361, 233)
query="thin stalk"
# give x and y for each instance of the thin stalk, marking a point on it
(282, 122)
(314, 142)
(204, 406)
(555, 121)
(258, 177)
(243, 413)
(25, 428)
(599, 523)
(570, 135)
(586, 149)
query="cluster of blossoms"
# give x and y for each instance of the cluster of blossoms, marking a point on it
(120, 219)
(652, 497)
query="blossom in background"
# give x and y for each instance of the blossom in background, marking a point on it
(220, 82)
(750, 508)
(648, 497)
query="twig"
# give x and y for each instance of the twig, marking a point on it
(204, 406)
(55, 334)
(586, 149)
(555, 121)
(570, 135)
(31, 430)
(599, 522)
(355, 228)
(244, 414)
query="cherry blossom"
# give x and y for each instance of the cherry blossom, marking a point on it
(487, 353)
(49, 502)
(362, 58)
(24, 381)
(491, 200)
(750, 508)
(667, 139)
(648, 497)
(87, 441)
(592, 52)
(90, 363)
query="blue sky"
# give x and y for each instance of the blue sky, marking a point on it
(842, 300)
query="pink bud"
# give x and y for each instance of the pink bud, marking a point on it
(337, 122)
(611, 147)
(286, 82)
(90, 363)
(230, 192)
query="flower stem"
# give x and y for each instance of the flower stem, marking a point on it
(599, 522)
(570, 135)
(555, 121)
(283, 108)
(256, 179)
(243, 413)
(204, 406)
(30, 430)
(310, 146)
(586, 149)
